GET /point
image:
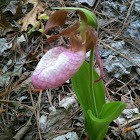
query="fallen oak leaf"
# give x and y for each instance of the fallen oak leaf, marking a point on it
(11, 7)
(18, 13)
(30, 18)
(5, 26)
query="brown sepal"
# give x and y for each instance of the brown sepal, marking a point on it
(56, 19)
(100, 64)
(82, 16)
(97, 56)
(65, 33)
(76, 42)
(89, 41)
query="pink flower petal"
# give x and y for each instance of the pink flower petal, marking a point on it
(57, 66)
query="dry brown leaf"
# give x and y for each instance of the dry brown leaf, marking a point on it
(2, 111)
(5, 26)
(30, 1)
(30, 18)
(137, 100)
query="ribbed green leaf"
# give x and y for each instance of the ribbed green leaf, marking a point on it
(111, 111)
(80, 82)
(96, 128)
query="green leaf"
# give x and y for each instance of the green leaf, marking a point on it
(91, 18)
(96, 127)
(33, 28)
(111, 111)
(80, 82)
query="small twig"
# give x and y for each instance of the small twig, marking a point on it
(126, 84)
(37, 122)
(11, 35)
(16, 87)
(130, 121)
(73, 94)
(107, 137)
(59, 133)
(49, 98)
(130, 128)
(125, 39)
(109, 82)
(38, 106)
(107, 93)
(106, 24)
(8, 87)
(128, 13)
(119, 94)
(35, 90)
(96, 5)
(7, 115)
(118, 53)
(129, 92)
(19, 135)
(16, 102)
(69, 118)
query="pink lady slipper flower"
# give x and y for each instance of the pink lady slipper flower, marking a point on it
(60, 64)
(57, 66)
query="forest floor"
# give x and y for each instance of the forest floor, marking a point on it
(29, 114)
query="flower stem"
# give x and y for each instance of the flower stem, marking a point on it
(92, 96)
